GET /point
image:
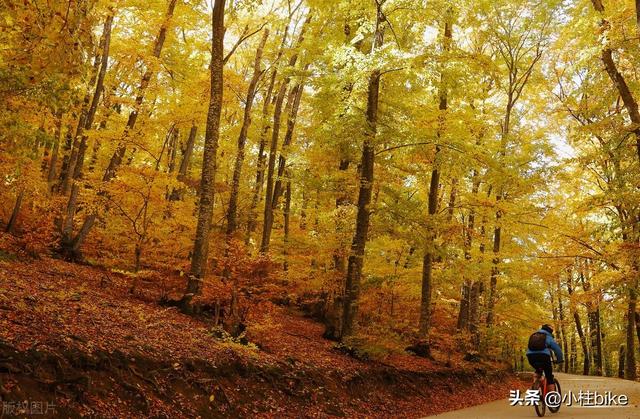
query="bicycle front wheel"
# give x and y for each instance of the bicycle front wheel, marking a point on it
(540, 407)
(555, 409)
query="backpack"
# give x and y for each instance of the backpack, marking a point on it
(538, 341)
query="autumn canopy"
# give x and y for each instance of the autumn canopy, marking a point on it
(432, 176)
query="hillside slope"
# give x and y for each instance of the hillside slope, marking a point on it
(74, 337)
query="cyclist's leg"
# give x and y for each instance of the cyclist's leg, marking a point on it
(548, 372)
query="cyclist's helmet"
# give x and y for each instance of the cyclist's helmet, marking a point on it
(548, 328)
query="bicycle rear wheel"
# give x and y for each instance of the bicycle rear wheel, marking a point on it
(555, 409)
(540, 407)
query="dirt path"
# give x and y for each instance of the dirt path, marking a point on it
(573, 383)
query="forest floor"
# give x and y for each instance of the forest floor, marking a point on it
(74, 340)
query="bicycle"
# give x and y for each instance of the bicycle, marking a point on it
(540, 385)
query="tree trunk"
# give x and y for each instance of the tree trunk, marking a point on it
(109, 108)
(621, 357)
(11, 225)
(593, 315)
(209, 164)
(638, 327)
(116, 158)
(287, 219)
(185, 163)
(51, 174)
(495, 270)
(296, 95)
(260, 164)
(171, 152)
(596, 343)
(630, 370)
(242, 139)
(576, 318)
(343, 200)
(474, 313)
(573, 358)
(356, 257)
(82, 120)
(273, 149)
(271, 164)
(554, 310)
(463, 313)
(563, 330)
(183, 170)
(618, 79)
(264, 132)
(66, 151)
(452, 199)
(427, 261)
(77, 165)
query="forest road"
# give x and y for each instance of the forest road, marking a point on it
(571, 385)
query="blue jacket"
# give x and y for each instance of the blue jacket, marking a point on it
(551, 343)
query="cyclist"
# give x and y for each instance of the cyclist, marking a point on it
(539, 355)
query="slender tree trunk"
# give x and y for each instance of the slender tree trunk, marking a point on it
(287, 222)
(342, 201)
(563, 330)
(356, 257)
(618, 79)
(171, 152)
(51, 174)
(474, 313)
(638, 327)
(593, 316)
(576, 318)
(82, 120)
(109, 108)
(596, 343)
(183, 170)
(621, 358)
(452, 199)
(427, 261)
(464, 314)
(185, 163)
(242, 138)
(118, 155)
(264, 132)
(261, 162)
(469, 303)
(296, 95)
(209, 164)
(66, 152)
(13, 220)
(77, 165)
(554, 309)
(495, 270)
(271, 164)
(630, 370)
(574, 353)
(273, 149)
